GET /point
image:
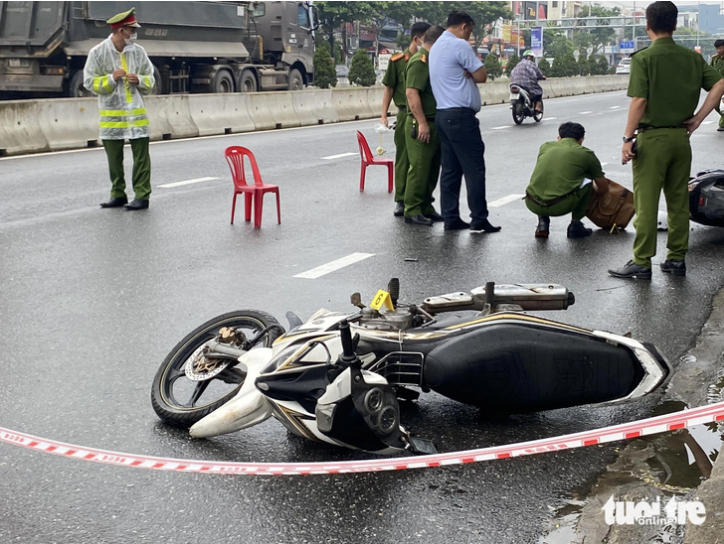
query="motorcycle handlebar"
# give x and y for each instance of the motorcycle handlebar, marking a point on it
(345, 336)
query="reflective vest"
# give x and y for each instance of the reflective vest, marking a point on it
(123, 114)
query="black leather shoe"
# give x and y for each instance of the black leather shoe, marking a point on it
(577, 230)
(631, 271)
(435, 217)
(544, 223)
(399, 209)
(676, 268)
(720, 129)
(137, 205)
(418, 220)
(116, 202)
(458, 224)
(482, 226)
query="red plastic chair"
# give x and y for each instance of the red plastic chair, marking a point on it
(235, 157)
(368, 159)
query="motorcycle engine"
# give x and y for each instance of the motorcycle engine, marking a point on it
(399, 320)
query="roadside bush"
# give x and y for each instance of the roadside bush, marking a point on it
(584, 67)
(362, 71)
(545, 67)
(325, 75)
(492, 66)
(512, 63)
(603, 68)
(570, 65)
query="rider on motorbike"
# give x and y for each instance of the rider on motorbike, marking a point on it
(526, 74)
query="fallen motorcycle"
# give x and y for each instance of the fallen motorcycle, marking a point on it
(337, 378)
(706, 198)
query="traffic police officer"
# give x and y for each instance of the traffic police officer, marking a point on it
(394, 82)
(423, 147)
(119, 72)
(717, 62)
(664, 86)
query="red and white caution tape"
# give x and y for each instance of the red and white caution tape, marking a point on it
(644, 427)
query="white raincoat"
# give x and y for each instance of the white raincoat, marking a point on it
(123, 115)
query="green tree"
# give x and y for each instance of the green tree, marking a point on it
(332, 14)
(544, 67)
(325, 75)
(361, 71)
(584, 67)
(603, 65)
(512, 63)
(492, 66)
(558, 46)
(564, 66)
(598, 37)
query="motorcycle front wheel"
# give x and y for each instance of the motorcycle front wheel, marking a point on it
(181, 401)
(518, 114)
(538, 115)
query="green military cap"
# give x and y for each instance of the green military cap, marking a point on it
(127, 18)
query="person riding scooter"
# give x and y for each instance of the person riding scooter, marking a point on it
(526, 74)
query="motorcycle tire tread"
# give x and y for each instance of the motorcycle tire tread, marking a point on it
(186, 418)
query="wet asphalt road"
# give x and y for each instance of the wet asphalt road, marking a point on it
(92, 300)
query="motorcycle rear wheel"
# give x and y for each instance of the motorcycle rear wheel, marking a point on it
(172, 371)
(518, 114)
(538, 115)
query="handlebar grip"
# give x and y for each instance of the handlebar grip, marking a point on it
(346, 337)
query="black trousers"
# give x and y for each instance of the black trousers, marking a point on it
(462, 154)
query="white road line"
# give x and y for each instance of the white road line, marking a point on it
(505, 200)
(187, 182)
(604, 164)
(320, 271)
(707, 122)
(500, 128)
(338, 156)
(584, 112)
(550, 118)
(613, 107)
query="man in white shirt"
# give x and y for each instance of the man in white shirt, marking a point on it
(455, 71)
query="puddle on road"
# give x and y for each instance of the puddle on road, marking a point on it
(674, 463)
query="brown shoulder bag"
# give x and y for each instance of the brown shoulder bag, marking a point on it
(614, 208)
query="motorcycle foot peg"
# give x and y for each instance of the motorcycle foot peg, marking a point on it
(422, 446)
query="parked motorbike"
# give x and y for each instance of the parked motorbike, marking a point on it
(706, 198)
(338, 378)
(523, 106)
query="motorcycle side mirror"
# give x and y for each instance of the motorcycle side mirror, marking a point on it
(356, 300)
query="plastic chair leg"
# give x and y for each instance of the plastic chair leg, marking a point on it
(362, 178)
(233, 207)
(279, 210)
(247, 206)
(258, 208)
(390, 177)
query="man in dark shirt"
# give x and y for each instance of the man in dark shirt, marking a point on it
(664, 86)
(562, 181)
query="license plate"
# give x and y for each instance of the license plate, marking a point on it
(514, 96)
(18, 63)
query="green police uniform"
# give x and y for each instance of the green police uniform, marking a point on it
(717, 63)
(395, 79)
(424, 157)
(670, 78)
(555, 187)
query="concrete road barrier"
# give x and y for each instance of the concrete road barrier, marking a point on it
(69, 123)
(170, 117)
(314, 107)
(28, 126)
(352, 103)
(20, 128)
(220, 113)
(273, 110)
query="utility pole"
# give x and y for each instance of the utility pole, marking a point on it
(635, 37)
(518, 35)
(698, 22)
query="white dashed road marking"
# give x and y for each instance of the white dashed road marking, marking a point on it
(320, 271)
(338, 156)
(614, 107)
(584, 112)
(500, 128)
(550, 118)
(187, 182)
(505, 200)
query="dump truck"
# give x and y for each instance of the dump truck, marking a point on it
(197, 47)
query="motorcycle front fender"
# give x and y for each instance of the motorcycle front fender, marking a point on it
(248, 408)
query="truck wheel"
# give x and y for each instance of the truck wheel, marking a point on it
(247, 82)
(75, 86)
(296, 81)
(222, 82)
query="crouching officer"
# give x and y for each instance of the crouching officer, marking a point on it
(423, 147)
(394, 82)
(562, 181)
(119, 72)
(664, 86)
